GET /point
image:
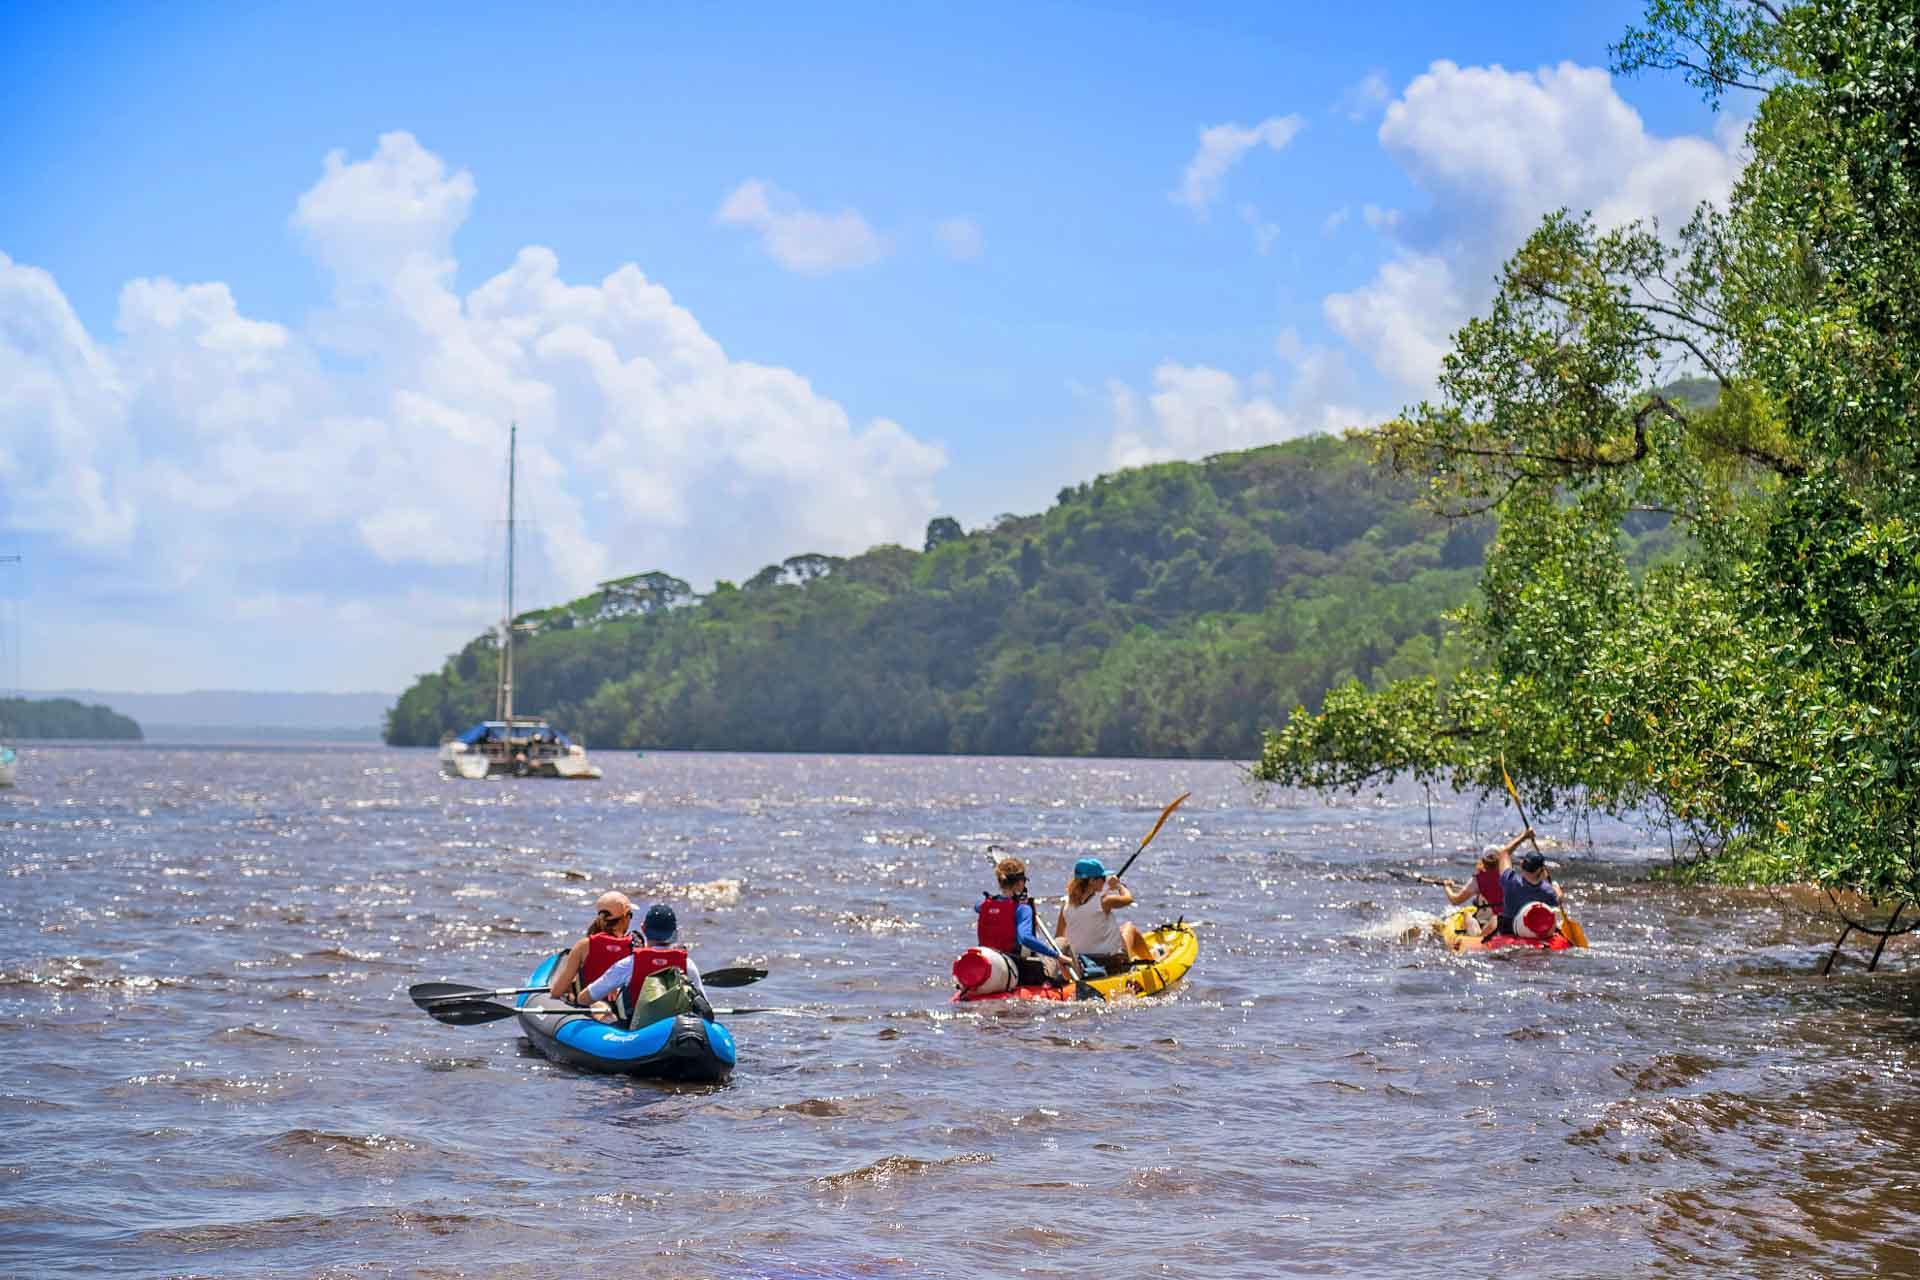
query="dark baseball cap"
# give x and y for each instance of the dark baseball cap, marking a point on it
(660, 924)
(1535, 861)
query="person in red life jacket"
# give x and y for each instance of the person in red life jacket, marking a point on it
(1485, 890)
(1006, 923)
(588, 959)
(653, 952)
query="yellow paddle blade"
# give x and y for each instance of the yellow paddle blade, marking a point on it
(1164, 815)
(1574, 933)
(1508, 779)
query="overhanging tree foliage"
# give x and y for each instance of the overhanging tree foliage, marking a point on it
(1758, 685)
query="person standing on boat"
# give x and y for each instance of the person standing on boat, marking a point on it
(1088, 925)
(1006, 924)
(654, 953)
(588, 959)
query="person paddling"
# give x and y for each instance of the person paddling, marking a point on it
(1484, 890)
(655, 955)
(1521, 890)
(1006, 924)
(1088, 925)
(588, 959)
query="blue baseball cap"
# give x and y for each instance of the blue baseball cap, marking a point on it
(1089, 869)
(661, 924)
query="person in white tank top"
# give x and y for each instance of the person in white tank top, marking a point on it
(1089, 926)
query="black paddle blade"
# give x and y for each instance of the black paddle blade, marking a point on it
(1084, 990)
(468, 1013)
(428, 993)
(737, 976)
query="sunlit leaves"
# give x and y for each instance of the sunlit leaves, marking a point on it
(1757, 686)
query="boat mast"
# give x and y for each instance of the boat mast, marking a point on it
(504, 702)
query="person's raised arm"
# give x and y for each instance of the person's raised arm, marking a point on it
(1116, 895)
(1506, 854)
(1457, 897)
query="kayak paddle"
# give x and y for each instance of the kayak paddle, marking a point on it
(739, 975)
(1568, 925)
(429, 995)
(1164, 815)
(470, 1013)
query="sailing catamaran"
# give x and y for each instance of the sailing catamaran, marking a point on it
(519, 746)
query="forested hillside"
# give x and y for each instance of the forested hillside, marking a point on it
(1173, 610)
(22, 718)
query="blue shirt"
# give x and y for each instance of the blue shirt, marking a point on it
(1516, 893)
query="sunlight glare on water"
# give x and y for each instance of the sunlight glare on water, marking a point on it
(211, 1066)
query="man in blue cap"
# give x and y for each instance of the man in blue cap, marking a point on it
(1090, 928)
(657, 931)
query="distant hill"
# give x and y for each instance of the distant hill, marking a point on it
(1170, 610)
(23, 719)
(209, 715)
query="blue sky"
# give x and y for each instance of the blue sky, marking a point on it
(754, 281)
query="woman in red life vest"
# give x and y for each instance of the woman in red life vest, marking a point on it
(1006, 923)
(649, 954)
(608, 938)
(1485, 890)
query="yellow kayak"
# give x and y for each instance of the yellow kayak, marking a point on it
(1176, 945)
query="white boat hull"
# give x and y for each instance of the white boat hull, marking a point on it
(456, 761)
(575, 764)
(459, 760)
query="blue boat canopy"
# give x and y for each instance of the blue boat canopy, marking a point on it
(496, 731)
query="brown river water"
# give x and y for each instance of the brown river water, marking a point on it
(209, 1065)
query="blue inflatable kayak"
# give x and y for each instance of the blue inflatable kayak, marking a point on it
(682, 1048)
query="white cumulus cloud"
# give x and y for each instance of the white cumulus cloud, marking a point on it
(1222, 146)
(799, 239)
(353, 467)
(1494, 150)
(1195, 410)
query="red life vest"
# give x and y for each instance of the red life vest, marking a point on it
(1000, 924)
(604, 950)
(1488, 883)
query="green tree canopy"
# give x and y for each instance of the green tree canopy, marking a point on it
(25, 718)
(1758, 684)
